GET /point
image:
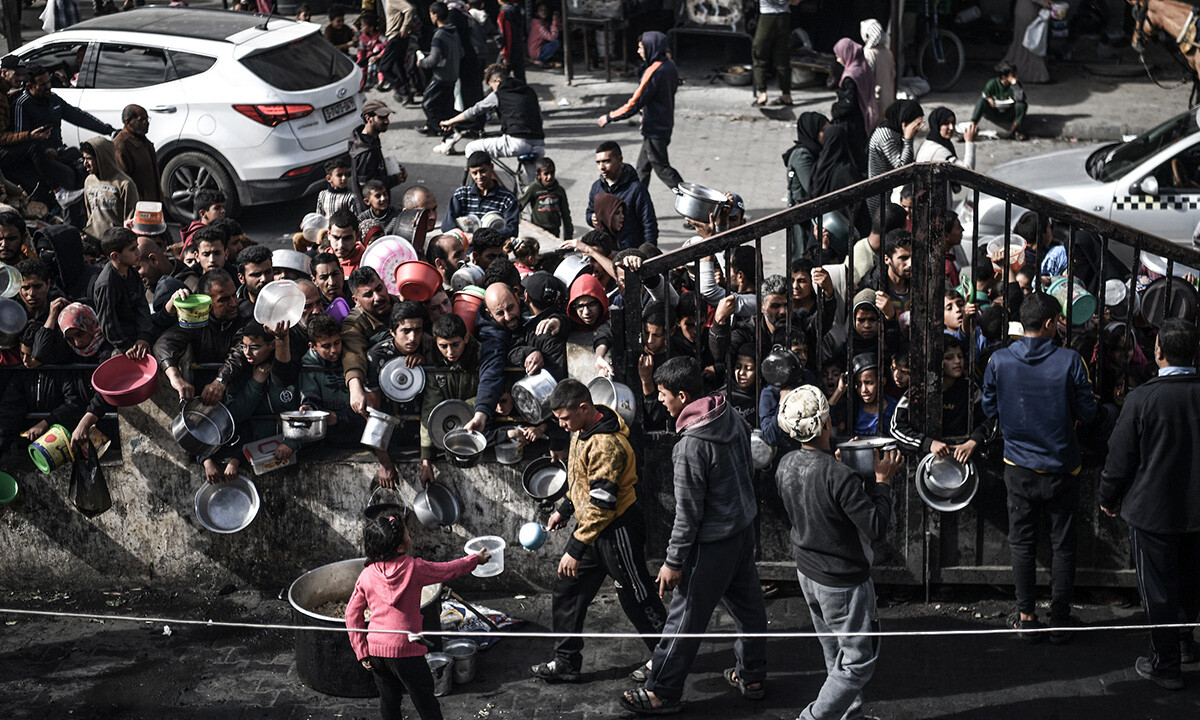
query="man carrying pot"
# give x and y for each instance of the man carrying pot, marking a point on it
(208, 344)
(710, 557)
(610, 533)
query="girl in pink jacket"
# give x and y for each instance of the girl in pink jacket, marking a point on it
(390, 586)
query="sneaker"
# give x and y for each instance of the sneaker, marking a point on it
(1014, 622)
(642, 673)
(1189, 651)
(1061, 633)
(1146, 670)
(67, 198)
(557, 670)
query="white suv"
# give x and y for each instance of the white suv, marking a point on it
(246, 104)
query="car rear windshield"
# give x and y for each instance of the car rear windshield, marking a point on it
(1112, 165)
(304, 64)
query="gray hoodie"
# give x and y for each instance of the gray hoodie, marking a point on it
(714, 498)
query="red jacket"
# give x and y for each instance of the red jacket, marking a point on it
(392, 590)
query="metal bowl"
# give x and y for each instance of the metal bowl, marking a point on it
(464, 447)
(436, 507)
(737, 75)
(400, 382)
(446, 416)
(944, 484)
(227, 507)
(545, 480)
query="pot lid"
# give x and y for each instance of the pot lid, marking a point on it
(400, 382)
(448, 415)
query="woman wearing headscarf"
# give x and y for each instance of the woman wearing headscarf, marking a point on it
(72, 334)
(891, 144)
(1030, 67)
(858, 81)
(883, 64)
(800, 161)
(938, 146)
(836, 169)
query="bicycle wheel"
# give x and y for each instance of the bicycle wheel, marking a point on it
(941, 60)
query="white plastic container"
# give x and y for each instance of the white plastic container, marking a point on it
(495, 545)
(261, 454)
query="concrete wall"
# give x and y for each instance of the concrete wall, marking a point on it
(311, 515)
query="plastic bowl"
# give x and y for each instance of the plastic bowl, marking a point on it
(417, 280)
(279, 301)
(495, 545)
(8, 488)
(385, 255)
(124, 382)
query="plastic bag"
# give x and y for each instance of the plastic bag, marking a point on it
(47, 16)
(89, 490)
(1038, 34)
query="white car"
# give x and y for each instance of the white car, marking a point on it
(246, 104)
(1151, 183)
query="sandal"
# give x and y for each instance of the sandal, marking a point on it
(759, 103)
(780, 102)
(639, 701)
(744, 687)
(642, 673)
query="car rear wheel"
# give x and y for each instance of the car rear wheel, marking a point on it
(186, 174)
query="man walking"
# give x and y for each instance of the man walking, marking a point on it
(1152, 479)
(1040, 391)
(136, 156)
(655, 98)
(366, 153)
(610, 532)
(710, 557)
(835, 519)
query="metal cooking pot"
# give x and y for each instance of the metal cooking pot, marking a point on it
(530, 394)
(12, 322)
(307, 426)
(448, 415)
(859, 454)
(698, 202)
(436, 507)
(508, 452)
(379, 429)
(781, 367)
(202, 429)
(614, 395)
(571, 267)
(464, 447)
(545, 480)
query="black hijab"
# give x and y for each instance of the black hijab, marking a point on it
(808, 135)
(901, 113)
(937, 118)
(835, 168)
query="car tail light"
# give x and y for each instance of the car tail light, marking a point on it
(297, 172)
(272, 115)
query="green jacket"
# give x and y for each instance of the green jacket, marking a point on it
(324, 390)
(251, 397)
(460, 382)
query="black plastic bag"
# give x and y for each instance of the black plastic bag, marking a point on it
(89, 490)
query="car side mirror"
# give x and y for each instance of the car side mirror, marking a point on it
(1148, 186)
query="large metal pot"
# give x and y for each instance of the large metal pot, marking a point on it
(436, 507)
(202, 429)
(859, 454)
(530, 394)
(614, 395)
(306, 426)
(781, 367)
(448, 415)
(698, 202)
(464, 447)
(325, 661)
(571, 267)
(379, 429)
(545, 480)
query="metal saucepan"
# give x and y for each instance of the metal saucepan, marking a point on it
(436, 507)
(379, 429)
(306, 426)
(508, 452)
(613, 395)
(571, 267)
(464, 447)
(545, 480)
(448, 415)
(530, 394)
(698, 202)
(781, 367)
(859, 454)
(202, 429)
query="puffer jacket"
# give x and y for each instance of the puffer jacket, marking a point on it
(601, 474)
(460, 382)
(109, 194)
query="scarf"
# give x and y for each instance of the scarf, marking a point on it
(835, 167)
(901, 113)
(857, 69)
(872, 34)
(937, 118)
(78, 316)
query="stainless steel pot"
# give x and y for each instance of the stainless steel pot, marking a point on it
(307, 426)
(464, 447)
(202, 429)
(571, 267)
(698, 202)
(781, 367)
(614, 395)
(379, 429)
(530, 394)
(436, 507)
(508, 452)
(545, 480)
(859, 454)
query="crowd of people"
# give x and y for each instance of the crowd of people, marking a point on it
(101, 274)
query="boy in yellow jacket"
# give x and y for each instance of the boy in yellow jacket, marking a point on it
(609, 535)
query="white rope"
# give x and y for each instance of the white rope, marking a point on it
(589, 635)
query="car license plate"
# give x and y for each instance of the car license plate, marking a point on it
(338, 109)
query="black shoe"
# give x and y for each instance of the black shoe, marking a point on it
(1061, 633)
(1189, 651)
(428, 130)
(1146, 670)
(557, 670)
(1015, 622)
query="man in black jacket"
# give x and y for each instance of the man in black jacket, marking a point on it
(366, 153)
(1152, 479)
(520, 115)
(835, 519)
(208, 344)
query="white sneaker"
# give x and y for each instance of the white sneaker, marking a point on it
(446, 147)
(66, 198)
